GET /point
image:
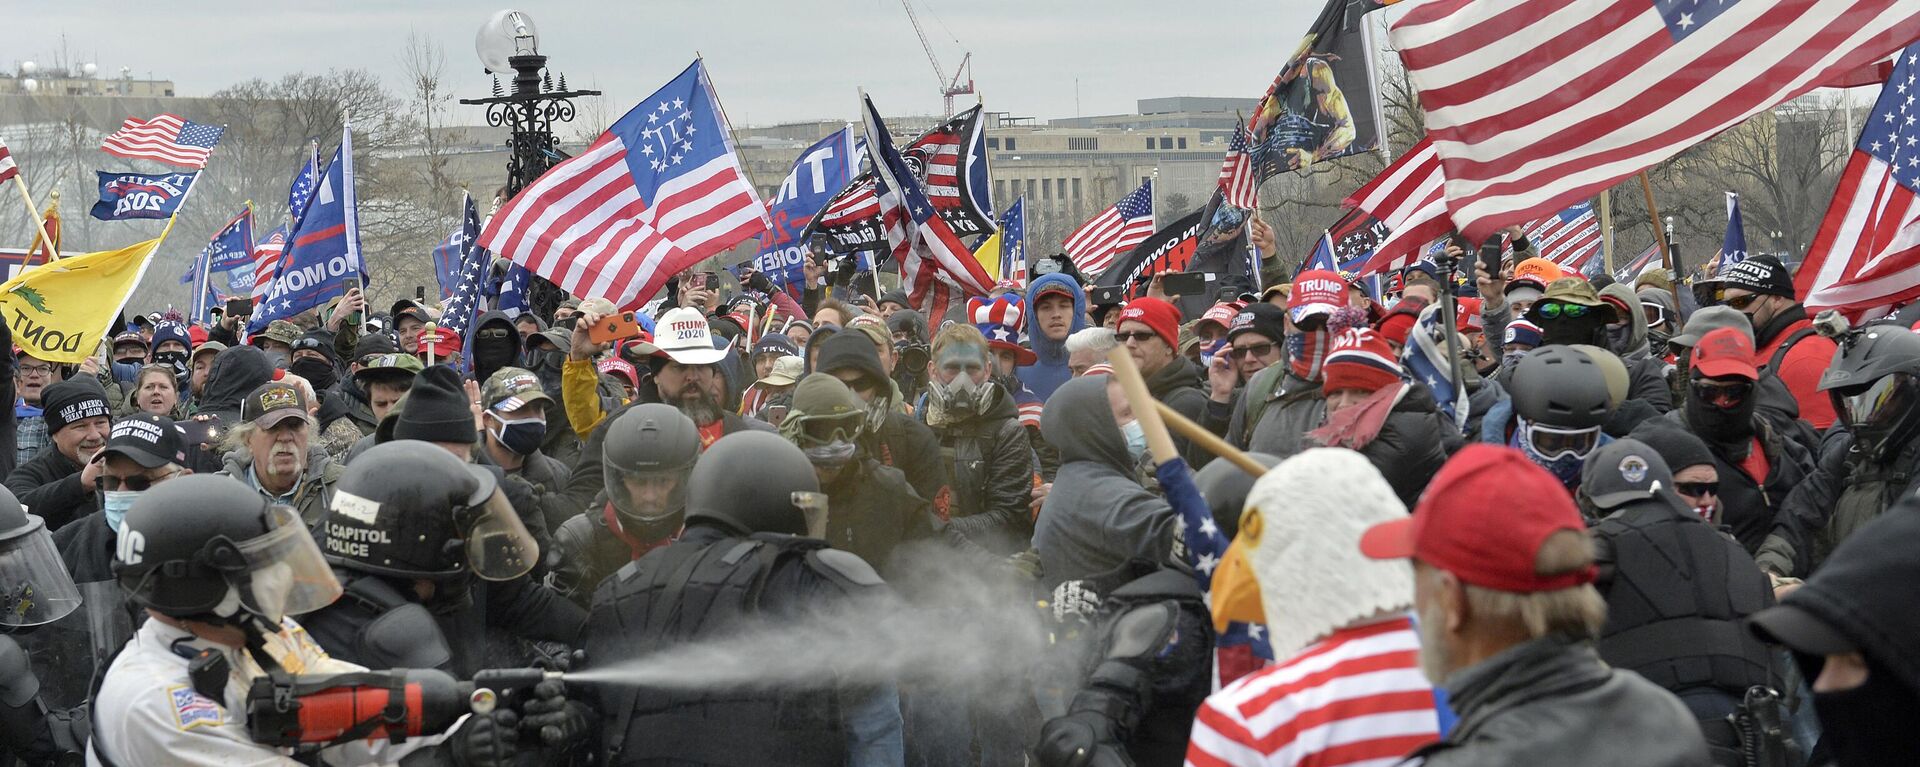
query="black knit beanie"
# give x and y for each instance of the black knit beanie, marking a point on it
(436, 409)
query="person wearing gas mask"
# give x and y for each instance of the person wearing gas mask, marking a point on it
(430, 554)
(1757, 463)
(983, 446)
(1283, 401)
(220, 572)
(35, 593)
(513, 415)
(647, 452)
(1863, 468)
(910, 354)
(1097, 515)
(874, 509)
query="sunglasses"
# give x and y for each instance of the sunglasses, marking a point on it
(137, 484)
(1133, 335)
(1251, 350)
(1696, 489)
(1741, 302)
(1556, 311)
(1723, 396)
(495, 333)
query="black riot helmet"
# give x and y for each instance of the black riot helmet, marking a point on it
(1563, 386)
(1225, 486)
(756, 482)
(208, 547)
(1875, 385)
(648, 453)
(35, 588)
(410, 509)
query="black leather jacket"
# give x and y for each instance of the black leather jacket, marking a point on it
(990, 466)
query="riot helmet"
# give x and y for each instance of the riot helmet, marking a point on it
(1563, 394)
(825, 421)
(1225, 486)
(409, 509)
(756, 482)
(648, 453)
(35, 588)
(1874, 382)
(209, 548)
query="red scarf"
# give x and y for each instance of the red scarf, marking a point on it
(1357, 426)
(634, 545)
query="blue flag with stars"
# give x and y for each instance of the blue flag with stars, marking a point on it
(301, 192)
(1733, 247)
(451, 254)
(322, 257)
(1013, 241)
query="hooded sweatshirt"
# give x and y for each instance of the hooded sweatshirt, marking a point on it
(488, 356)
(900, 441)
(1646, 373)
(1097, 516)
(236, 371)
(1050, 370)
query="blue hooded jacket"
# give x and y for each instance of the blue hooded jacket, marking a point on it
(1047, 373)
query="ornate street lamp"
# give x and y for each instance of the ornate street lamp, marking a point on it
(510, 42)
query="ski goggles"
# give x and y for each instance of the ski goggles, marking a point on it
(1553, 443)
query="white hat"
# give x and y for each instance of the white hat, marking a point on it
(682, 334)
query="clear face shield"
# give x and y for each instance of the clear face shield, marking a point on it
(648, 496)
(289, 576)
(812, 506)
(34, 586)
(499, 548)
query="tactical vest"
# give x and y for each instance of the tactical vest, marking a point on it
(1674, 609)
(689, 592)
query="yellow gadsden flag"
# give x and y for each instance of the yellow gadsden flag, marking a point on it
(60, 312)
(988, 254)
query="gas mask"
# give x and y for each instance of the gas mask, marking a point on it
(959, 398)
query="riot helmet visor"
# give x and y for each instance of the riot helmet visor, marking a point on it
(499, 548)
(287, 573)
(34, 586)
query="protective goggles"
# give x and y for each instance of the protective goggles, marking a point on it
(1556, 310)
(1553, 443)
(822, 431)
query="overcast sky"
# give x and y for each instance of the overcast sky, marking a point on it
(771, 60)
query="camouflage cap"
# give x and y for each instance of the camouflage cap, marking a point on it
(511, 389)
(383, 366)
(280, 330)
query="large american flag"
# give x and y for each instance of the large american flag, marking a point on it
(166, 138)
(1632, 82)
(659, 191)
(8, 169)
(1100, 240)
(933, 261)
(1867, 253)
(1568, 238)
(1239, 185)
(1408, 199)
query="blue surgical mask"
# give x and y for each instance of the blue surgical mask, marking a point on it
(115, 504)
(1136, 439)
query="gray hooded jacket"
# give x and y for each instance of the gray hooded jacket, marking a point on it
(1097, 516)
(1646, 373)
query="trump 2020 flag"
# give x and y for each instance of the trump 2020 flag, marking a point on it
(821, 171)
(140, 195)
(659, 191)
(61, 311)
(322, 257)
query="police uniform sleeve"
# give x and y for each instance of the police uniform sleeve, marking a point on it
(176, 726)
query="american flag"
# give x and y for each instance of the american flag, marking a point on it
(8, 169)
(1868, 248)
(932, 259)
(1733, 246)
(1632, 82)
(266, 261)
(1243, 647)
(1239, 185)
(1116, 230)
(659, 191)
(856, 203)
(466, 299)
(303, 183)
(1568, 238)
(166, 138)
(1426, 360)
(1407, 198)
(450, 256)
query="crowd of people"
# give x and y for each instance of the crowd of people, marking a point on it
(1623, 531)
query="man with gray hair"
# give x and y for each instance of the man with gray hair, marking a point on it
(1503, 587)
(1088, 347)
(272, 451)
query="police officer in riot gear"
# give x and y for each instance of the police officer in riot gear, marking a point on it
(649, 451)
(429, 554)
(34, 591)
(1677, 591)
(745, 557)
(220, 571)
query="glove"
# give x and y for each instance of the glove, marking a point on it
(1023, 566)
(1079, 739)
(487, 740)
(551, 717)
(1074, 602)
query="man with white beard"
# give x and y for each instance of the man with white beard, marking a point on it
(272, 451)
(1503, 586)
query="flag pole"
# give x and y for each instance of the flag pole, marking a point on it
(33, 211)
(1653, 213)
(1253, 251)
(1606, 229)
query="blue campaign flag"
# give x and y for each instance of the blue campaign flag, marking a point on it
(322, 257)
(1733, 249)
(140, 195)
(513, 291)
(1322, 257)
(451, 253)
(230, 249)
(1013, 241)
(820, 172)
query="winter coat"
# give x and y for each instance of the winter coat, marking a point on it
(1646, 373)
(872, 512)
(902, 441)
(1050, 369)
(312, 497)
(1411, 444)
(1843, 493)
(236, 371)
(1293, 407)
(9, 394)
(1483, 398)
(1748, 508)
(990, 468)
(1177, 384)
(1097, 516)
(49, 486)
(548, 479)
(1804, 363)
(1553, 701)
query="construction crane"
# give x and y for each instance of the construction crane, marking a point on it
(949, 86)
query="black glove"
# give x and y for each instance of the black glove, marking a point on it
(1079, 739)
(487, 740)
(552, 718)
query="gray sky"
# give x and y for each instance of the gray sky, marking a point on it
(771, 60)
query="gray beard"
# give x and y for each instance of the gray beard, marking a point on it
(699, 407)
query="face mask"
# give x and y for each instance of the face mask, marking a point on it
(1136, 439)
(1617, 338)
(175, 360)
(959, 397)
(280, 359)
(1730, 428)
(831, 455)
(1304, 353)
(521, 437)
(115, 504)
(1872, 723)
(1566, 468)
(320, 373)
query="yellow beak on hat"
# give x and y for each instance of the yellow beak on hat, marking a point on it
(1236, 592)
